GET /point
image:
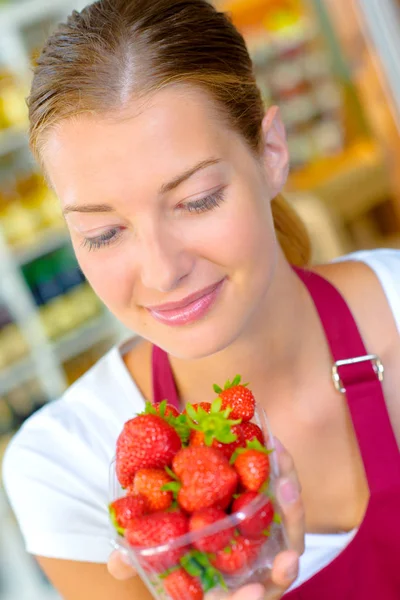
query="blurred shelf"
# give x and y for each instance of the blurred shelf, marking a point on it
(84, 337)
(12, 139)
(25, 12)
(350, 183)
(16, 374)
(66, 347)
(48, 242)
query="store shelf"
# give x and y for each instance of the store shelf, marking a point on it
(12, 139)
(48, 242)
(84, 337)
(16, 374)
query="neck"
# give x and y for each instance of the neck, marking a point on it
(273, 352)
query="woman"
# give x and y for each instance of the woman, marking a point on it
(149, 125)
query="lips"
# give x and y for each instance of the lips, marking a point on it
(189, 309)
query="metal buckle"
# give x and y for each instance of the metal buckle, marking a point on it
(376, 363)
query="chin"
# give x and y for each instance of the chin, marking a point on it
(205, 339)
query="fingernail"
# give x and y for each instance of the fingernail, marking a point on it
(292, 570)
(287, 492)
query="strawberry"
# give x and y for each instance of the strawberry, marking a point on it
(238, 397)
(252, 465)
(204, 518)
(260, 515)
(149, 483)
(238, 556)
(197, 438)
(146, 442)
(251, 431)
(156, 529)
(123, 510)
(206, 477)
(170, 415)
(180, 585)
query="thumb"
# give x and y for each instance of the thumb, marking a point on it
(119, 566)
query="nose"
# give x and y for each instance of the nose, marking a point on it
(164, 261)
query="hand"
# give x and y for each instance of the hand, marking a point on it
(285, 568)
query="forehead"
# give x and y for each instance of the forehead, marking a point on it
(172, 130)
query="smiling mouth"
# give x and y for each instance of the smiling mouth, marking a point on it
(188, 310)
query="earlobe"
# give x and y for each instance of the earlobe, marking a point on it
(276, 154)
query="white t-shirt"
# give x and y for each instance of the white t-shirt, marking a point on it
(56, 470)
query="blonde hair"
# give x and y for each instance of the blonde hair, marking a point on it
(114, 49)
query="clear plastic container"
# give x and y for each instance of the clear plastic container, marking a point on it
(248, 561)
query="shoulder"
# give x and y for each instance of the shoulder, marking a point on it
(370, 283)
(57, 465)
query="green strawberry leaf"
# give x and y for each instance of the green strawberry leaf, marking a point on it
(267, 532)
(277, 519)
(171, 473)
(216, 405)
(120, 530)
(172, 486)
(191, 411)
(236, 380)
(217, 389)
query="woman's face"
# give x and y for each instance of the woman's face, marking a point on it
(169, 214)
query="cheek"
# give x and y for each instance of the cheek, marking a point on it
(110, 273)
(239, 236)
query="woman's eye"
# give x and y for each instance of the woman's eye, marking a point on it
(105, 239)
(205, 204)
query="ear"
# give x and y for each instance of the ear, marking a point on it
(275, 152)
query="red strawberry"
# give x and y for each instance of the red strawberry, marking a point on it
(205, 518)
(255, 526)
(123, 510)
(238, 556)
(180, 585)
(251, 431)
(239, 398)
(160, 528)
(149, 482)
(206, 476)
(146, 442)
(166, 410)
(252, 465)
(197, 438)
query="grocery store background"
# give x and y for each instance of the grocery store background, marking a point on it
(333, 66)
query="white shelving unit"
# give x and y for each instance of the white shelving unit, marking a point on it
(19, 577)
(45, 359)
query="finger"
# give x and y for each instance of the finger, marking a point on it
(288, 493)
(284, 573)
(119, 567)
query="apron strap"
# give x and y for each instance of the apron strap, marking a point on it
(357, 375)
(164, 387)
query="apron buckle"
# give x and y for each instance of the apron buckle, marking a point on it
(376, 363)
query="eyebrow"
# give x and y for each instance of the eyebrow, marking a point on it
(167, 187)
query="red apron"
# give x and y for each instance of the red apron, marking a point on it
(369, 567)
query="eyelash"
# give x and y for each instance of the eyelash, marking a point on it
(210, 202)
(206, 204)
(105, 239)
